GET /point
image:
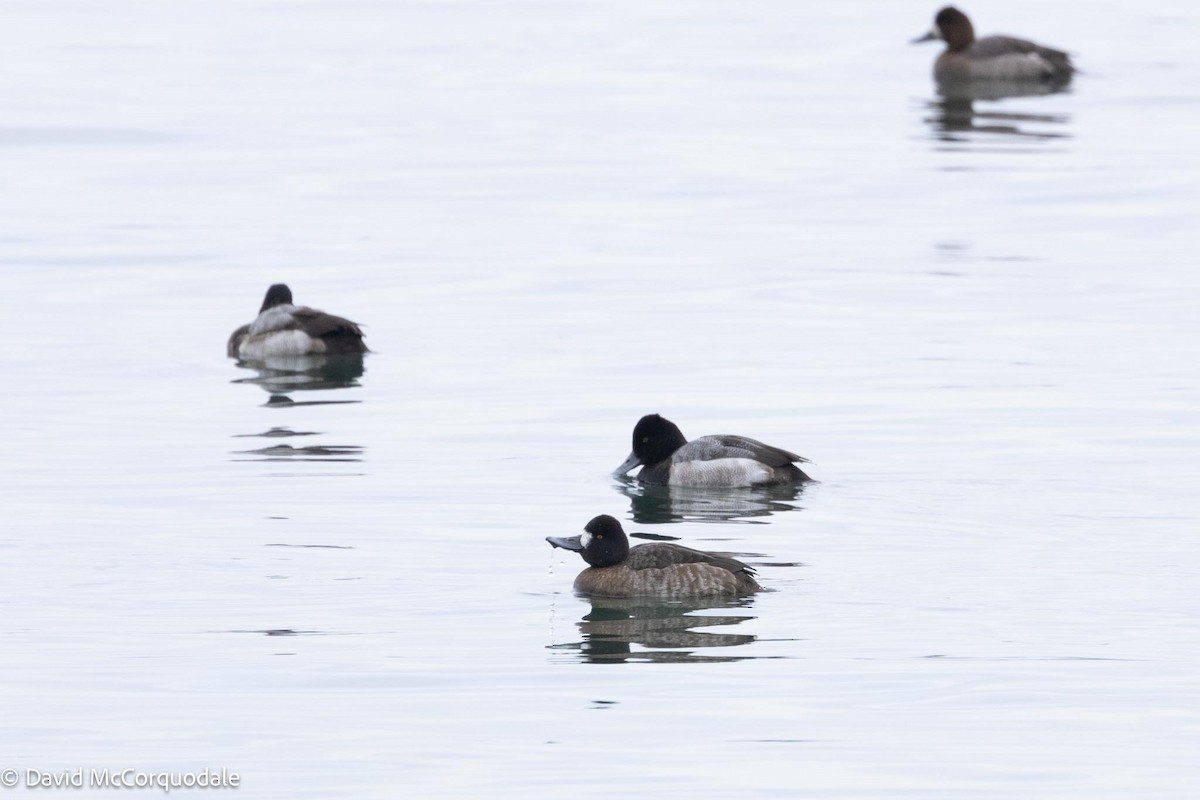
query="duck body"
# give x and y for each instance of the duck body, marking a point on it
(992, 58)
(284, 329)
(668, 570)
(720, 461)
(1003, 58)
(660, 569)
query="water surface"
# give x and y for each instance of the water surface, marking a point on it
(978, 321)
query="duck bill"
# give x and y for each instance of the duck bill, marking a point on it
(932, 36)
(627, 464)
(572, 543)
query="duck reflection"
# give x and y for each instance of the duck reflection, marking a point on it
(955, 116)
(618, 630)
(288, 452)
(282, 375)
(659, 504)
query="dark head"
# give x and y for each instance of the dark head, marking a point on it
(654, 440)
(278, 295)
(951, 26)
(602, 543)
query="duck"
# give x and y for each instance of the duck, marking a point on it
(658, 569)
(992, 58)
(724, 460)
(285, 329)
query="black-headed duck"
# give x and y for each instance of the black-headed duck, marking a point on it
(658, 569)
(724, 460)
(285, 329)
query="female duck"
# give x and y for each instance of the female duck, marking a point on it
(284, 329)
(992, 58)
(710, 461)
(657, 569)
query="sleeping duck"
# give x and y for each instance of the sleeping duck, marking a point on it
(285, 329)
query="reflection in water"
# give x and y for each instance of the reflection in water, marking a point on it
(278, 375)
(283, 401)
(955, 115)
(275, 433)
(281, 375)
(660, 632)
(285, 452)
(311, 546)
(658, 504)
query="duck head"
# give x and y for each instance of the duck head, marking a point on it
(654, 439)
(603, 542)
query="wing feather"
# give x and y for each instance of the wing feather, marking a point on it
(318, 324)
(1011, 56)
(711, 448)
(662, 555)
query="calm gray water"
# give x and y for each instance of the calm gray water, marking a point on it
(979, 322)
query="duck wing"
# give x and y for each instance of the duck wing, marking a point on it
(662, 555)
(319, 324)
(710, 448)
(339, 335)
(1020, 50)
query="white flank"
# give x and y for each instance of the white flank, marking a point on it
(720, 472)
(279, 344)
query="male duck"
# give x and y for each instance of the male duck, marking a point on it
(657, 570)
(710, 461)
(992, 58)
(284, 329)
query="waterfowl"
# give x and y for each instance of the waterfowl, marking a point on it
(992, 58)
(285, 329)
(724, 460)
(657, 569)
